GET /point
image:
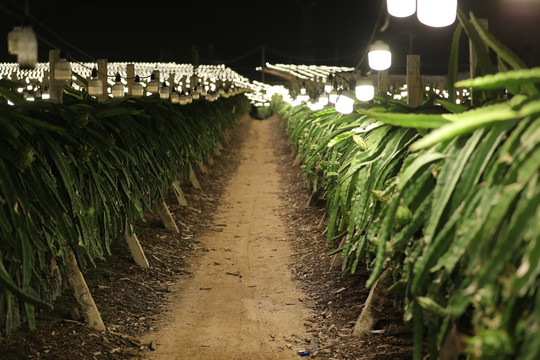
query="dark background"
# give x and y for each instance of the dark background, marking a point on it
(234, 33)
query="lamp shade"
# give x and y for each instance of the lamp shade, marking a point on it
(345, 102)
(137, 90)
(13, 40)
(27, 49)
(117, 89)
(332, 97)
(364, 90)
(401, 8)
(436, 13)
(153, 85)
(62, 70)
(164, 91)
(379, 56)
(95, 85)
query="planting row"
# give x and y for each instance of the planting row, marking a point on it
(442, 200)
(75, 176)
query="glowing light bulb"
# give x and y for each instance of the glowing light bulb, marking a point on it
(401, 8)
(379, 56)
(95, 85)
(437, 13)
(332, 97)
(364, 90)
(345, 102)
(117, 89)
(137, 90)
(62, 70)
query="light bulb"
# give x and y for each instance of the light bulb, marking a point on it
(164, 91)
(13, 40)
(27, 49)
(137, 90)
(117, 89)
(345, 102)
(175, 98)
(153, 85)
(332, 97)
(364, 90)
(95, 85)
(62, 70)
(436, 13)
(401, 8)
(379, 56)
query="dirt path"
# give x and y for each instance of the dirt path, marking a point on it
(240, 302)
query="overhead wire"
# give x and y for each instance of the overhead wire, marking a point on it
(377, 27)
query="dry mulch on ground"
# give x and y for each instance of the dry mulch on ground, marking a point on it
(130, 298)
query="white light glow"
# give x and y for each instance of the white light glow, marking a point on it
(345, 103)
(379, 56)
(364, 90)
(437, 13)
(401, 8)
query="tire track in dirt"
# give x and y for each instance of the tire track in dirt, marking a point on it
(240, 302)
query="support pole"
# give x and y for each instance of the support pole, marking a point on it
(383, 82)
(102, 75)
(82, 294)
(193, 178)
(165, 216)
(413, 80)
(136, 249)
(179, 194)
(130, 77)
(56, 87)
(373, 305)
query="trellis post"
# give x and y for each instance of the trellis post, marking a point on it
(413, 80)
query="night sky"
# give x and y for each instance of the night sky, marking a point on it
(233, 33)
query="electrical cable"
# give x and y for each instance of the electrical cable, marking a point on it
(373, 32)
(37, 21)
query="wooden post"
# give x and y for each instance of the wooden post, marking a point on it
(179, 194)
(413, 80)
(202, 167)
(374, 301)
(193, 178)
(383, 83)
(130, 77)
(135, 248)
(172, 83)
(102, 75)
(165, 216)
(82, 294)
(55, 86)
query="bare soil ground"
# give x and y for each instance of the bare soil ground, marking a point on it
(268, 284)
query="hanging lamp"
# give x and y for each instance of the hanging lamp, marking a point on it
(153, 85)
(95, 85)
(164, 91)
(345, 102)
(62, 70)
(27, 49)
(13, 40)
(401, 8)
(117, 89)
(175, 98)
(379, 56)
(137, 90)
(364, 90)
(436, 13)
